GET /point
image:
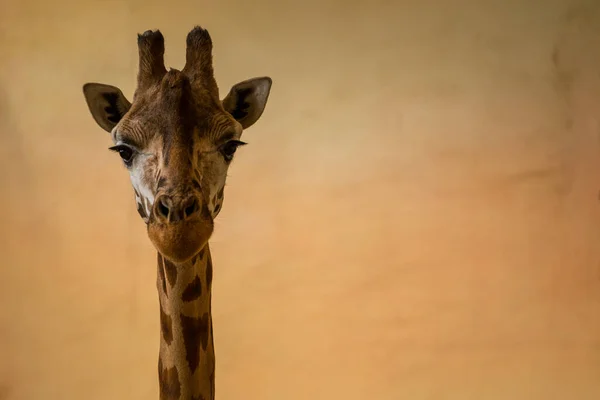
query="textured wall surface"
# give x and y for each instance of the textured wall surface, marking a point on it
(416, 215)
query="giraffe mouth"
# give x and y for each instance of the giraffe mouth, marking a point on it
(181, 241)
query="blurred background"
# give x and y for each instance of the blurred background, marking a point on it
(416, 215)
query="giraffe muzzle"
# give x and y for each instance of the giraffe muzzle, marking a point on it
(180, 227)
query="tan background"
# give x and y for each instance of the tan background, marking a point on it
(416, 216)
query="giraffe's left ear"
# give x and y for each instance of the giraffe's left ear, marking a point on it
(246, 101)
(106, 103)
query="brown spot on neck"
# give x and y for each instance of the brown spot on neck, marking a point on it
(168, 380)
(195, 332)
(193, 291)
(166, 326)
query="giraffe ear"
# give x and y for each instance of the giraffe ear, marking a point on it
(246, 100)
(106, 103)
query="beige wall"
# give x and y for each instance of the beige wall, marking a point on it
(416, 216)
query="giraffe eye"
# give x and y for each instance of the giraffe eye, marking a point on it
(125, 152)
(229, 148)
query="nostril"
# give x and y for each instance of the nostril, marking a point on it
(191, 208)
(163, 209)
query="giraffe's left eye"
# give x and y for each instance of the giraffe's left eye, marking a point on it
(229, 148)
(125, 152)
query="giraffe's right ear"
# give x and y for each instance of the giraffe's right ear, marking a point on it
(106, 103)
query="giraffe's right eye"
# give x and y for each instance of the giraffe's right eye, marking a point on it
(229, 148)
(125, 152)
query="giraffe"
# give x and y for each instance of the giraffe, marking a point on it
(177, 139)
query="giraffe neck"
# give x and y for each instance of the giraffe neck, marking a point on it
(186, 365)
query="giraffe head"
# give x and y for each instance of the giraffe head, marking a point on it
(177, 139)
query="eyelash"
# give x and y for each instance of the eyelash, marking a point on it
(229, 155)
(123, 151)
